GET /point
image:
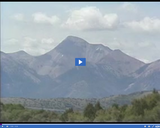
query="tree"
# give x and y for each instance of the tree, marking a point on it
(98, 106)
(76, 117)
(155, 91)
(89, 112)
(64, 116)
(115, 106)
(138, 106)
(1, 106)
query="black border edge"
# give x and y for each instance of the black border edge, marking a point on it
(0, 63)
(80, 123)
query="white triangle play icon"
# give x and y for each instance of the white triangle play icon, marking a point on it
(80, 61)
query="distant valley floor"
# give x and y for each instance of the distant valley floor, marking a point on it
(61, 104)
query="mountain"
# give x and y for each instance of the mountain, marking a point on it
(91, 81)
(121, 62)
(54, 74)
(21, 56)
(146, 78)
(18, 79)
(61, 59)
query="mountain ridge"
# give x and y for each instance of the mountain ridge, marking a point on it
(107, 72)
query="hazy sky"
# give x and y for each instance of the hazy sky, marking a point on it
(38, 27)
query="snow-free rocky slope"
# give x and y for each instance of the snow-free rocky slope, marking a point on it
(54, 74)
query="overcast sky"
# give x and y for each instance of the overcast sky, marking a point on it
(38, 27)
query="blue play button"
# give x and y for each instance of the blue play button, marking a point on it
(80, 61)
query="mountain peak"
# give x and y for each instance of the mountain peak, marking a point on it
(72, 45)
(75, 40)
(21, 52)
(73, 37)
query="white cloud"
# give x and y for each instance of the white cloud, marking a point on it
(126, 6)
(37, 46)
(28, 42)
(12, 41)
(146, 44)
(30, 45)
(47, 41)
(90, 18)
(29, 39)
(18, 17)
(145, 25)
(43, 18)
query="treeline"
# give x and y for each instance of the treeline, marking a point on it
(146, 109)
(17, 113)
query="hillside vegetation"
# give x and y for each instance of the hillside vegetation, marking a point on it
(61, 104)
(146, 109)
